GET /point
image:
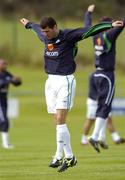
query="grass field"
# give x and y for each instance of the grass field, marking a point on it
(33, 135)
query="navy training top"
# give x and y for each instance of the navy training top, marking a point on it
(59, 52)
(104, 45)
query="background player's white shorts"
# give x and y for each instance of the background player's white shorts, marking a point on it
(91, 109)
(59, 92)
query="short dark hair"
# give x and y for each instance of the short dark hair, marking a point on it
(105, 19)
(47, 22)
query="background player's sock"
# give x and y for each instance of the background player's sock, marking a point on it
(5, 140)
(115, 136)
(84, 139)
(99, 123)
(102, 136)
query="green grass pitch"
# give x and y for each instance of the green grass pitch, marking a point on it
(33, 135)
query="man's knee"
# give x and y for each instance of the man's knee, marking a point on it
(61, 116)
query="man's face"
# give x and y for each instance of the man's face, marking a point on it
(3, 65)
(50, 33)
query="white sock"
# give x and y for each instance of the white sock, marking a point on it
(115, 136)
(102, 133)
(67, 146)
(99, 123)
(5, 140)
(84, 139)
(60, 133)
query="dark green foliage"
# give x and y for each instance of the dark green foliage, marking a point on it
(61, 8)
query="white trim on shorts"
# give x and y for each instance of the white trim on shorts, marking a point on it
(111, 89)
(1, 114)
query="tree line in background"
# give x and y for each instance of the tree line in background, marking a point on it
(61, 8)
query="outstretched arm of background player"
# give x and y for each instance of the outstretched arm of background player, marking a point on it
(35, 27)
(87, 17)
(113, 33)
(10, 79)
(16, 81)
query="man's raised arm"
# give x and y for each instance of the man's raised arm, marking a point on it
(87, 17)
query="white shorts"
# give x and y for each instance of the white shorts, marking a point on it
(91, 109)
(59, 92)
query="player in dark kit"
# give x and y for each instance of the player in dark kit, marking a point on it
(60, 50)
(101, 82)
(6, 79)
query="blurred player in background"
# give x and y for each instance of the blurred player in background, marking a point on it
(101, 85)
(117, 139)
(6, 78)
